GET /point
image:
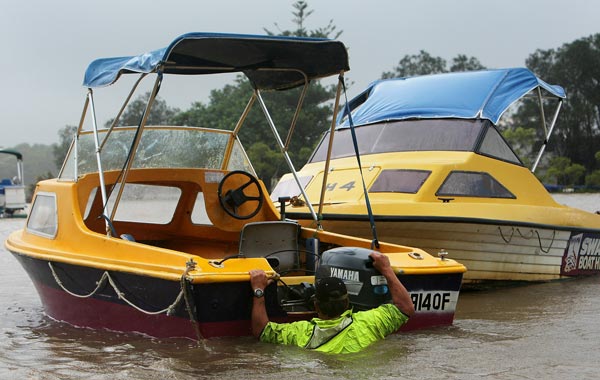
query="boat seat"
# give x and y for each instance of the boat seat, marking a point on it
(277, 241)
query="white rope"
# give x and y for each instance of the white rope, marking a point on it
(59, 282)
(169, 309)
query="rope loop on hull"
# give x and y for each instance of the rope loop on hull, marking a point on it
(532, 232)
(169, 310)
(106, 277)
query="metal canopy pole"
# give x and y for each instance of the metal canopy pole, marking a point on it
(235, 138)
(98, 159)
(125, 103)
(75, 143)
(73, 147)
(284, 152)
(542, 114)
(547, 137)
(83, 113)
(244, 115)
(330, 143)
(136, 142)
(20, 171)
(295, 118)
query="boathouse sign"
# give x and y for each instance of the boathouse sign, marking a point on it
(582, 255)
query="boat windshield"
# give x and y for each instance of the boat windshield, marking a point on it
(403, 136)
(159, 147)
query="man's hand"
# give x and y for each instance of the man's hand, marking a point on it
(380, 262)
(259, 280)
(400, 295)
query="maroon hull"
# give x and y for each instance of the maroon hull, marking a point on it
(427, 320)
(221, 309)
(97, 314)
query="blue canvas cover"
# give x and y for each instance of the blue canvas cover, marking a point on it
(482, 94)
(212, 53)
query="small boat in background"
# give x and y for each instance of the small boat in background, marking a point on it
(154, 229)
(441, 176)
(12, 190)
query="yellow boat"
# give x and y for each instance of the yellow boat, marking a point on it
(440, 176)
(154, 229)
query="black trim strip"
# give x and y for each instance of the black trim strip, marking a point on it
(441, 219)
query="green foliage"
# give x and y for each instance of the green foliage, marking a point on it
(574, 144)
(522, 141)
(225, 106)
(160, 113)
(65, 137)
(300, 16)
(575, 173)
(463, 63)
(574, 66)
(424, 63)
(593, 179)
(30, 189)
(224, 109)
(563, 172)
(577, 134)
(266, 161)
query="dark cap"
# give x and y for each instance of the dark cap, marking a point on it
(330, 289)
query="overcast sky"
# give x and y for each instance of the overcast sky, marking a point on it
(48, 44)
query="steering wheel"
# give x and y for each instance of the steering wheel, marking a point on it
(231, 199)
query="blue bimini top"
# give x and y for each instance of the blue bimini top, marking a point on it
(482, 94)
(269, 62)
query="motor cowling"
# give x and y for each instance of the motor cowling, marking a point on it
(367, 288)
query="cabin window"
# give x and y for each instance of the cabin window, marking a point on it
(43, 219)
(399, 181)
(473, 184)
(145, 203)
(238, 160)
(159, 147)
(289, 187)
(493, 145)
(68, 172)
(199, 215)
(403, 136)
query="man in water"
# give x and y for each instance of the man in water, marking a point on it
(336, 329)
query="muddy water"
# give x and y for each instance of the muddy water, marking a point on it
(542, 331)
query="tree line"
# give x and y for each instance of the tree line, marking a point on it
(572, 155)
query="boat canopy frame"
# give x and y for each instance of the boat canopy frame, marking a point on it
(270, 63)
(483, 94)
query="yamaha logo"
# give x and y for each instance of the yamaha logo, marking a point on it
(344, 274)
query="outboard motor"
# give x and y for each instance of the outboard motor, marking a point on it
(367, 288)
